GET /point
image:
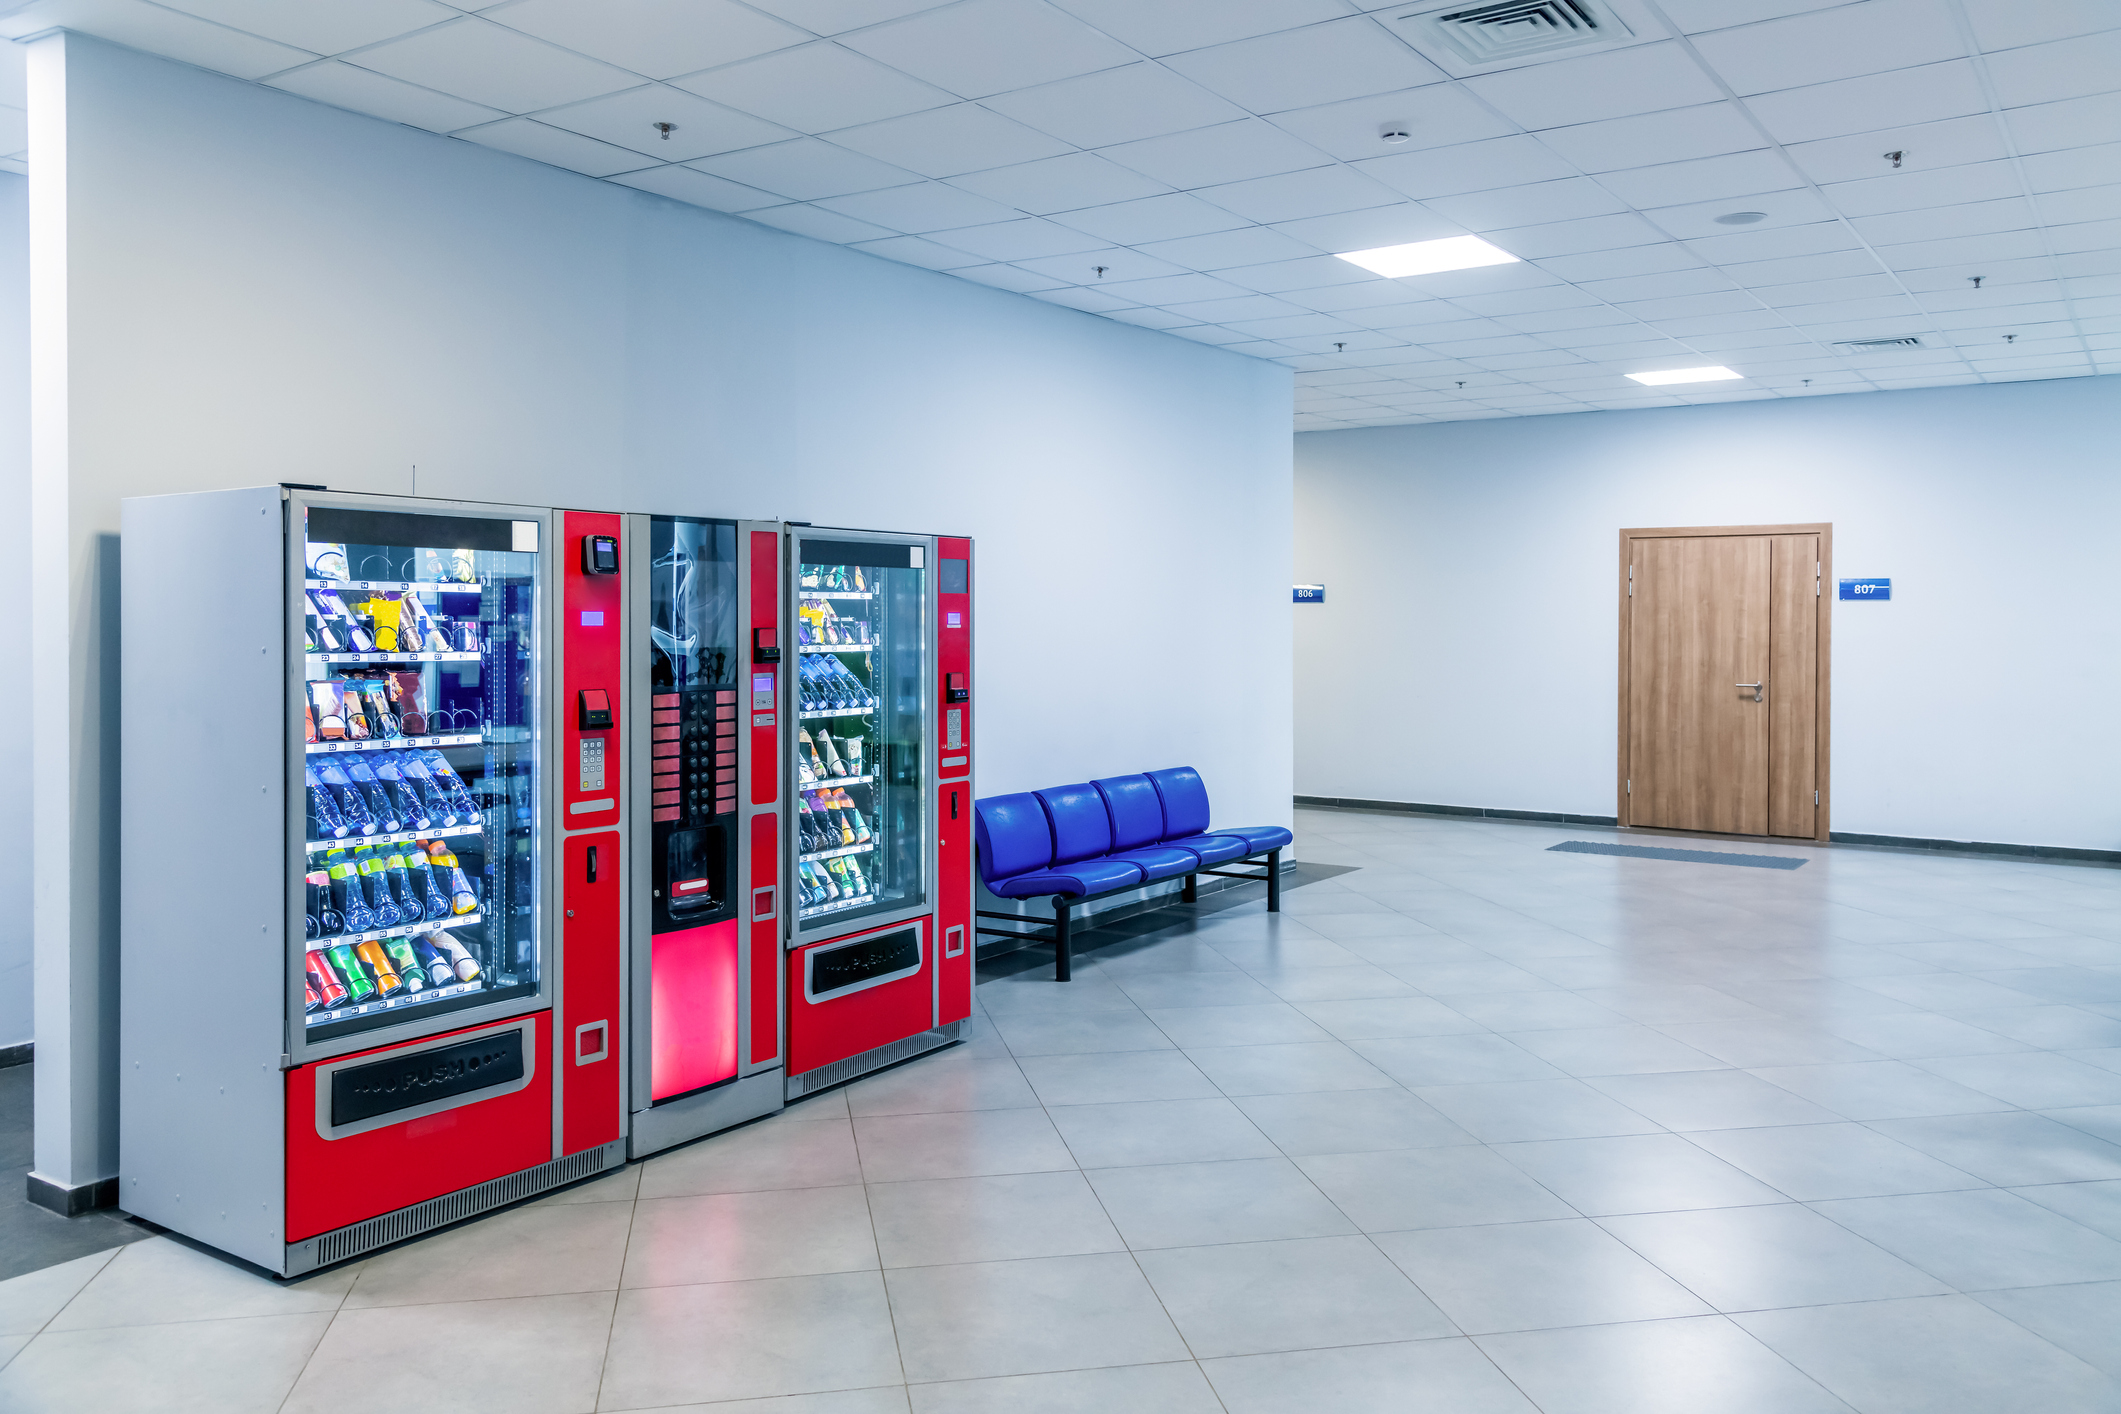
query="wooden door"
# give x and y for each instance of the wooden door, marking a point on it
(1722, 680)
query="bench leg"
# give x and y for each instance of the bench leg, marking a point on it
(1062, 964)
(1191, 892)
(1273, 881)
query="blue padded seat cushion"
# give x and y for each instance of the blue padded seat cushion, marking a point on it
(1013, 835)
(1212, 849)
(1258, 837)
(1136, 810)
(1161, 861)
(1081, 828)
(1091, 876)
(1185, 801)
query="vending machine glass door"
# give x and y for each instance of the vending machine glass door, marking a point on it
(861, 751)
(419, 713)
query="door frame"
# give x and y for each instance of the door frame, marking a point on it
(1823, 705)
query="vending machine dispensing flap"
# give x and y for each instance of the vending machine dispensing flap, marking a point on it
(593, 705)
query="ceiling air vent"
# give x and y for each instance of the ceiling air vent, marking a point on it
(1515, 29)
(1907, 343)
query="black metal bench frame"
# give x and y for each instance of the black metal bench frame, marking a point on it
(1063, 904)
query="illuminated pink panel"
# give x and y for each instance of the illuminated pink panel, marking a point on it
(692, 1005)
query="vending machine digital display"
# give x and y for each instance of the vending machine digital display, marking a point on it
(385, 814)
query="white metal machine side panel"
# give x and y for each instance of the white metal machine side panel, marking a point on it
(203, 812)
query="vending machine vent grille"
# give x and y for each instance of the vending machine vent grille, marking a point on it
(838, 1072)
(357, 1238)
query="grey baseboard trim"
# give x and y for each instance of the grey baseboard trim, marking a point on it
(2055, 852)
(72, 1202)
(1404, 807)
(22, 1053)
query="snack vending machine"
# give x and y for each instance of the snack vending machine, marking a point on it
(879, 789)
(373, 842)
(705, 666)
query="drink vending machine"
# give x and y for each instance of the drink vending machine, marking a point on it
(373, 831)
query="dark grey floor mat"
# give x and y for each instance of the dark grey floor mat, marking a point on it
(1684, 856)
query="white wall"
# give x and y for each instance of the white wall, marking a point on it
(14, 592)
(1467, 650)
(262, 289)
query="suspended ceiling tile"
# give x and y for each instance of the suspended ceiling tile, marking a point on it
(1292, 325)
(2084, 235)
(1223, 250)
(1226, 152)
(1065, 183)
(1316, 272)
(1969, 255)
(1614, 264)
(1303, 68)
(1089, 301)
(556, 147)
(659, 38)
(322, 29)
(1149, 318)
(2073, 122)
(1117, 105)
(1831, 265)
(502, 68)
(1773, 243)
(2068, 171)
(1080, 267)
(698, 189)
(1798, 206)
(836, 16)
(1923, 146)
(2084, 204)
(817, 223)
(1366, 230)
(1007, 277)
(1977, 218)
(912, 250)
(1226, 311)
(1027, 239)
(1813, 292)
(1615, 84)
(1550, 299)
(1433, 116)
(1537, 203)
(1649, 139)
(1174, 289)
(980, 47)
(628, 118)
(948, 142)
(2067, 68)
(806, 169)
(1577, 237)
(1169, 26)
(158, 31)
(1291, 196)
(1871, 104)
(1699, 281)
(1918, 190)
(817, 88)
(1467, 167)
(1152, 218)
(1703, 179)
(1560, 321)
(365, 91)
(920, 208)
(1844, 42)
(1679, 306)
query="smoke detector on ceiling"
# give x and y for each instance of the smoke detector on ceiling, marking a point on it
(1511, 30)
(1910, 342)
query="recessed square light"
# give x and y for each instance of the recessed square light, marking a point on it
(1429, 257)
(1663, 376)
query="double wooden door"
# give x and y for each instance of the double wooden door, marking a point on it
(1723, 679)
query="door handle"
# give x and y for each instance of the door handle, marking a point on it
(1756, 686)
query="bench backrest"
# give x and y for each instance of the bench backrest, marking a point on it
(1081, 828)
(1013, 834)
(1185, 801)
(1136, 812)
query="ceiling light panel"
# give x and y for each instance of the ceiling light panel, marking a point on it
(1710, 374)
(1428, 257)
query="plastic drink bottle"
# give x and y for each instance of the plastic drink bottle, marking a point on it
(447, 778)
(347, 893)
(433, 904)
(854, 817)
(324, 821)
(353, 810)
(358, 986)
(433, 799)
(854, 876)
(466, 965)
(398, 881)
(372, 794)
(387, 980)
(375, 880)
(405, 802)
(405, 964)
(440, 970)
(837, 867)
(462, 899)
(329, 921)
(833, 765)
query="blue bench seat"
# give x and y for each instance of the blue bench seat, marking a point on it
(1083, 841)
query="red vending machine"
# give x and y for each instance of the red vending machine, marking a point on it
(705, 668)
(879, 783)
(373, 838)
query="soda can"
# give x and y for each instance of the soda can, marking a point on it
(387, 980)
(408, 966)
(324, 982)
(358, 986)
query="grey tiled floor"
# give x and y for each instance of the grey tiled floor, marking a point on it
(1473, 1128)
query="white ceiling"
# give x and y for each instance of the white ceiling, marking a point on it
(1210, 155)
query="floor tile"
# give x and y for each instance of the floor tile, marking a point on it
(1636, 1173)
(1323, 984)
(745, 1236)
(1287, 1069)
(1611, 1050)
(1164, 991)
(937, 1221)
(1948, 1353)
(1536, 1276)
(1745, 1259)
(885, 1399)
(160, 1281)
(985, 1319)
(1350, 1122)
(621, 1185)
(1710, 1099)
(242, 1366)
(1981, 1240)
(2084, 1319)
(2099, 1121)
(1159, 1132)
(1910, 1037)
(1264, 1025)
(1673, 1003)
(1175, 1388)
(2096, 1205)
(1377, 1017)
(2011, 1148)
(29, 1300)
(1041, 1034)
(1948, 992)
(1248, 1298)
(1193, 1205)
(529, 1251)
(1036, 993)
(1534, 1012)
(954, 1080)
(535, 1354)
(1690, 1366)
(806, 1154)
(1288, 950)
(899, 1147)
(1882, 1089)
(1423, 1188)
(2034, 1081)
(1510, 1111)
(787, 1335)
(1453, 1060)
(1444, 1376)
(1810, 1162)
(2052, 1028)
(1105, 1079)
